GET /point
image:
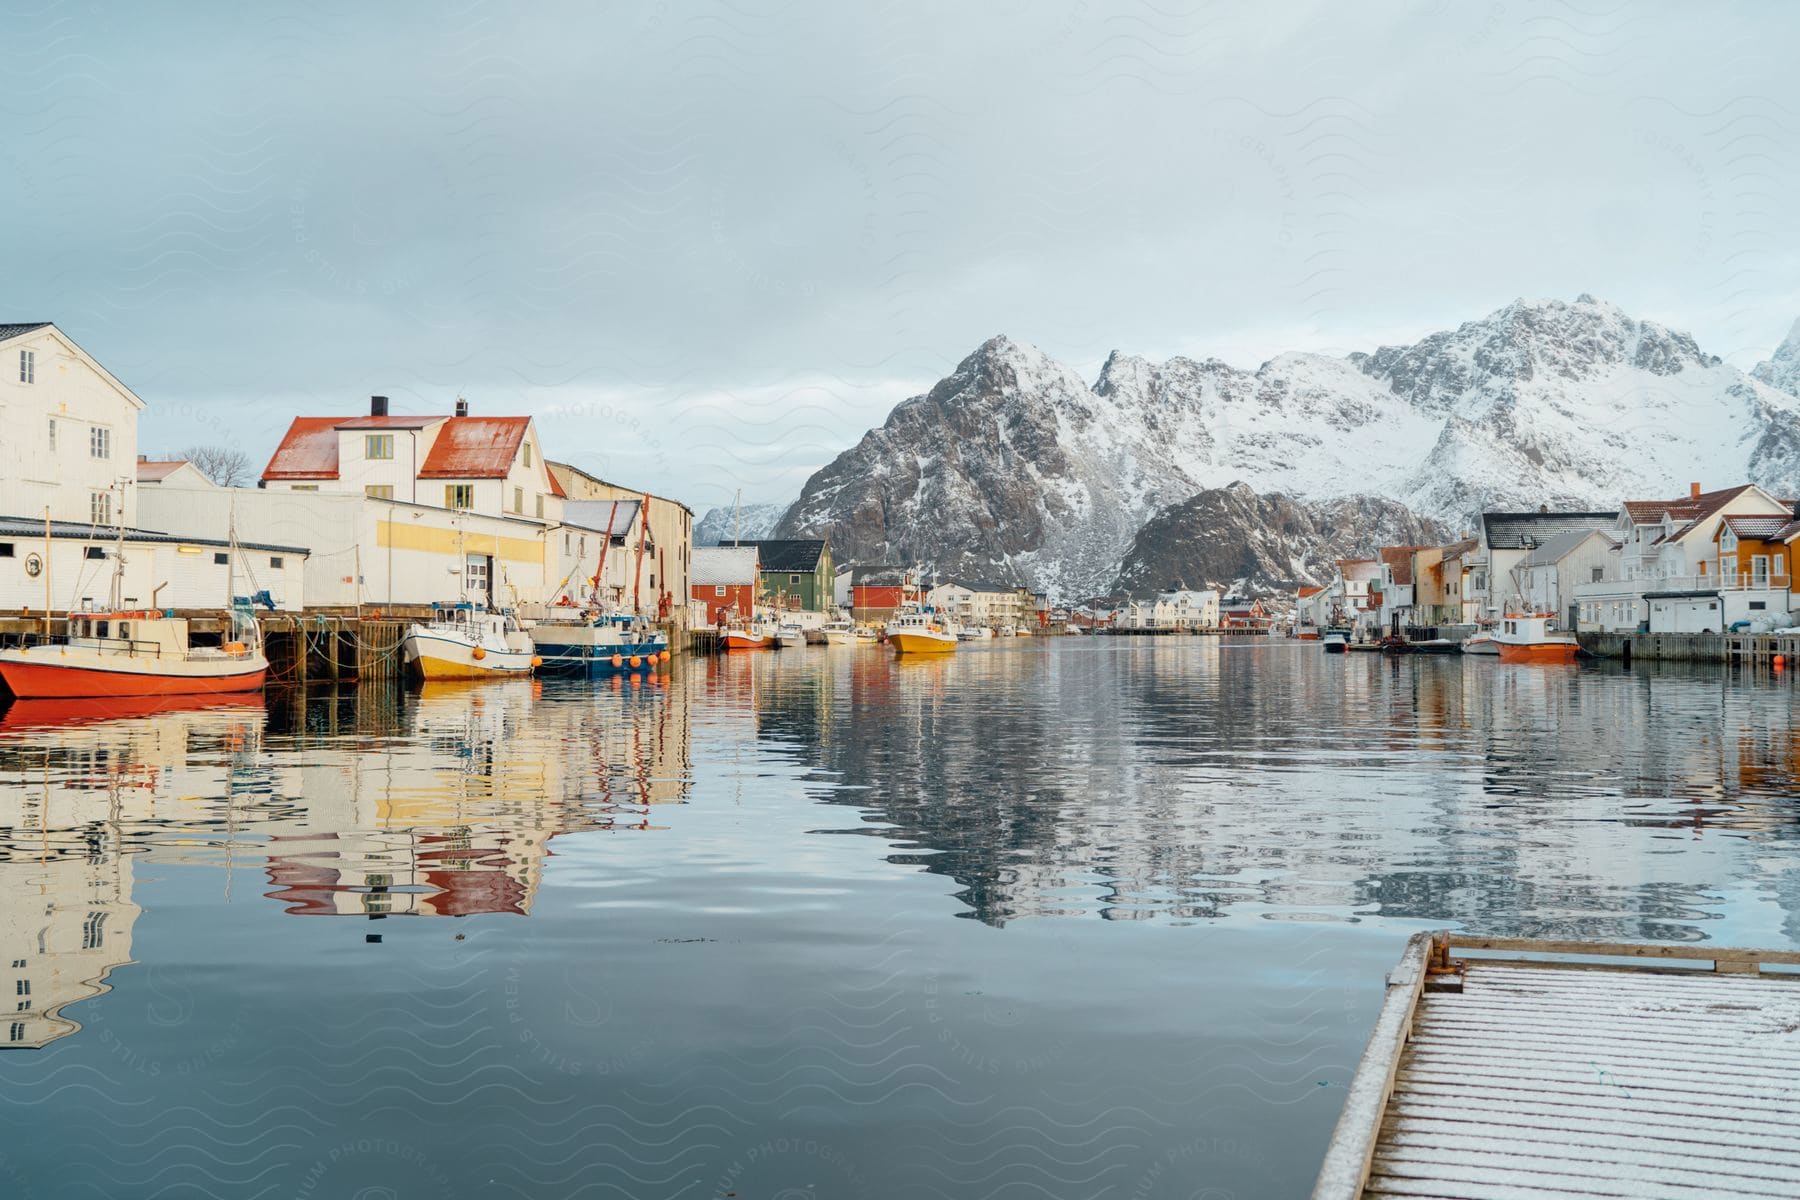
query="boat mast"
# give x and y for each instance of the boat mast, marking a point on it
(637, 572)
(49, 596)
(118, 584)
(595, 584)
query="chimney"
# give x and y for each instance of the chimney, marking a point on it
(378, 406)
(462, 410)
(1693, 491)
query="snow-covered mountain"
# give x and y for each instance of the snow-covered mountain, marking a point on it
(1234, 540)
(1014, 466)
(752, 521)
(1782, 369)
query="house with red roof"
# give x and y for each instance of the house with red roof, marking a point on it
(1666, 575)
(489, 465)
(177, 472)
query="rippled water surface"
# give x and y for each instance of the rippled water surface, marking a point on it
(1064, 917)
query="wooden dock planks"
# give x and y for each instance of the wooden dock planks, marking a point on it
(1605, 1075)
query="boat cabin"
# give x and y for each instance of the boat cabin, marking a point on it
(149, 632)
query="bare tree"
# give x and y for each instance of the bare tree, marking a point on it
(221, 464)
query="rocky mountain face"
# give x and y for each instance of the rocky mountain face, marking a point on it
(1234, 540)
(1013, 466)
(752, 521)
(1782, 370)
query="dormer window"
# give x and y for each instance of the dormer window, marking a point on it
(378, 445)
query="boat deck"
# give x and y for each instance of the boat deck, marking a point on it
(1586, 1069)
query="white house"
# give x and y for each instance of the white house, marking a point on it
(972, 602)
(488, 465)
(1553, 570)
(71, 431)
(1665, 576)
(71, 523)
(1495, 585)
(177, 472)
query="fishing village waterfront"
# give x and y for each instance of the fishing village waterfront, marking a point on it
(936, 602)
(750, 869)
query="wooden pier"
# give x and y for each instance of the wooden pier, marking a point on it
(1583, 1069)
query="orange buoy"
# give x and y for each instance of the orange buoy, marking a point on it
(478, 654)
(618, 660)
(636, 661)
(1780, 661)
(665, 656)
(537, 661)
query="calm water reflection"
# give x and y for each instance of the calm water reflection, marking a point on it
(701, 935)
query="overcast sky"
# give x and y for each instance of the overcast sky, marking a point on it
(708, 247)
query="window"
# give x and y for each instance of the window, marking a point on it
(378, 445)
(53, 434)
(1727, 539)
(306, 487)
(1728, 565)
(100, 508)
(719, 589)
(28, 366)
(540, 506)
(95, 552)
(93, 932)
(1759, 569)
(276, 562)
(6, 549)
(18, 1032)
(100, 441)
(459, 495)
(565, 543)
(581, 545)
(793, 579)
(1758, 605)
(24, 988)
(528, 454)
(519, 500)
(221, 558)
(379, 491)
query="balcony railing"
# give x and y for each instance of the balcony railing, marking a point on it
(1744, 581)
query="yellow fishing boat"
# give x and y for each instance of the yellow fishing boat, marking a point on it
(917, 630)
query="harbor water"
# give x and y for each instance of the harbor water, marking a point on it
(1046, 917)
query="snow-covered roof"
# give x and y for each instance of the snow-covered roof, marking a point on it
(713, 566)
(1561, 546)
(615, 517)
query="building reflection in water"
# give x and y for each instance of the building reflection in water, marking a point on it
(440, 803)
(1163, 779)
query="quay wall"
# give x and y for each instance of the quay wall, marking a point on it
(1693, 647)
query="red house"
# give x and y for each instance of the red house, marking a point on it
(726, 580)
(876, 592)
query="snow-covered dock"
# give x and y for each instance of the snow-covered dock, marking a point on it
(1506, 1069)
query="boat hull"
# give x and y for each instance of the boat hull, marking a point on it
(36, 675)
(909, 642)
(433, 656)
(739, 640)
(1538, 652)
(594, 661)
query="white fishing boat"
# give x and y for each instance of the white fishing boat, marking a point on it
(466, 641)
(1481, 643)
(790, 634)
(838, 632)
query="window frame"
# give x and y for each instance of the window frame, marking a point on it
(100, 442)
(27, 366)
(378, 441)
(459, 497)
(378, 491)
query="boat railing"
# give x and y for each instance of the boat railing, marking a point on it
(124, 645)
